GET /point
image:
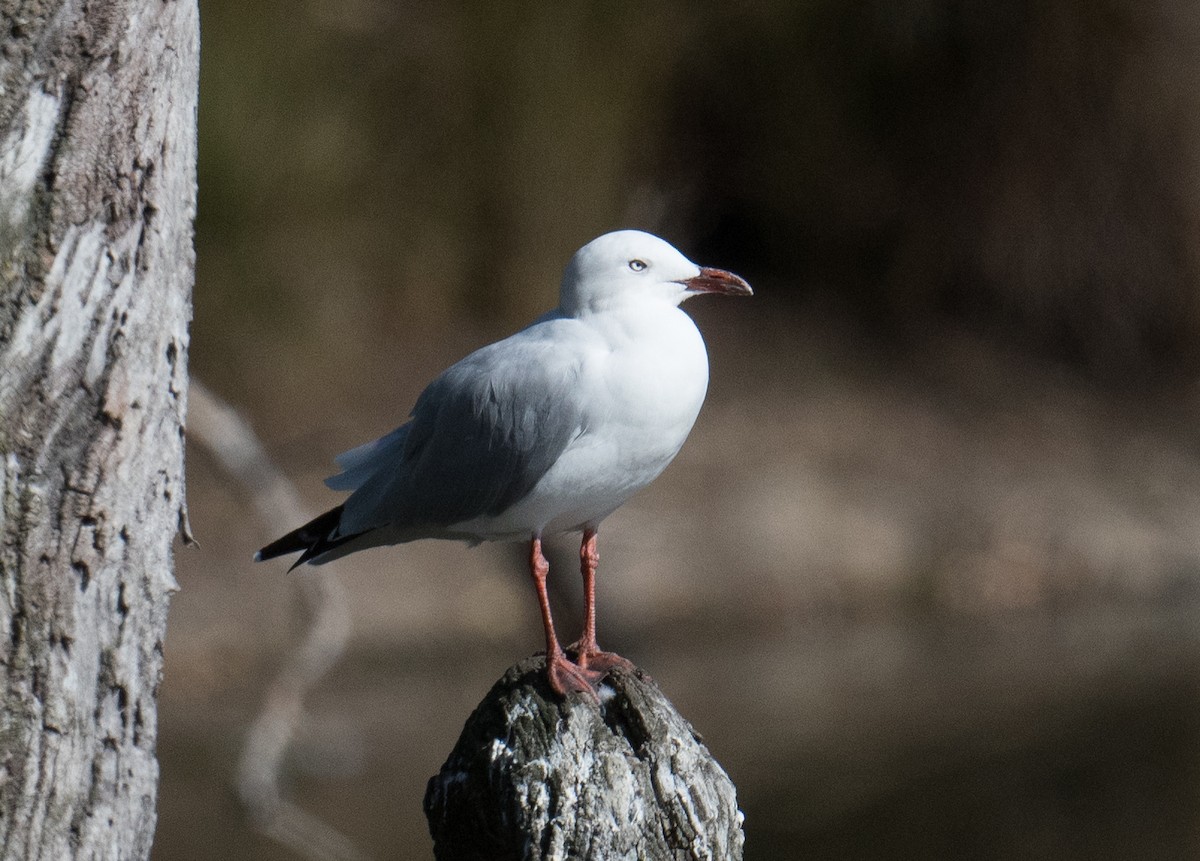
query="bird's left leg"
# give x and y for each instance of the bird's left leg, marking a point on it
(586, 649)
(564, 676)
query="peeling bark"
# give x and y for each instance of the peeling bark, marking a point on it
(97, 200)
(534, 778)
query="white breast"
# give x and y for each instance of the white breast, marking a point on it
(643, 381)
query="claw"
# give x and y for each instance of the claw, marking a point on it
(567, 678)
(596, 661)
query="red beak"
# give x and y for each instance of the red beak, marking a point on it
(718, 281)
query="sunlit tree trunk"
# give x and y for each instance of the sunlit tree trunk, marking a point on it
(97, 198)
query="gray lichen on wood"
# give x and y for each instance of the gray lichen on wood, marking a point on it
(536, 778)
(97, 200)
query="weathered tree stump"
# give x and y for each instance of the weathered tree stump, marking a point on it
(536, 778)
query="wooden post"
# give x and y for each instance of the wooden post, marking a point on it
(536, 778)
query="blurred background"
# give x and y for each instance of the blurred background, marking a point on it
(926, 576)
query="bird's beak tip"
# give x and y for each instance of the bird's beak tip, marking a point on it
(717, 281)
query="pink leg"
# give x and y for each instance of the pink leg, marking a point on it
(587, 649)
(564, 676)
(589, 559)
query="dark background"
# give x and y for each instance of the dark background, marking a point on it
(925, 577)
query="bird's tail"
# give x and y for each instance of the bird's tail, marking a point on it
(315, 538)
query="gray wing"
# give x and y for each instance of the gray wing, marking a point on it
(359, 464)
(481, 436)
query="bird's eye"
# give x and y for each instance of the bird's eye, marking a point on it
(637, 265)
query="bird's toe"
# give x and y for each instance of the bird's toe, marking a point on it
(567, 678)
(599, 663)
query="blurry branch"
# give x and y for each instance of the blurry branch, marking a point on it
(217, 427)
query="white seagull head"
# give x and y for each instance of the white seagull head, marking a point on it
(633, 266)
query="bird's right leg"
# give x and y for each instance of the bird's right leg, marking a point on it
(565, 677)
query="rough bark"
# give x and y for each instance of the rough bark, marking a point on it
(536, 778)
(97, 198)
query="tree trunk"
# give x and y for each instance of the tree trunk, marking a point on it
(97, 198)
(534, 778)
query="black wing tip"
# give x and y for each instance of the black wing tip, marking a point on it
(314, 538)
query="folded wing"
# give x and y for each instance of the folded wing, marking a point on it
(481, 436)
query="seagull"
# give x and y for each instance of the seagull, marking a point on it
(545, 432)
